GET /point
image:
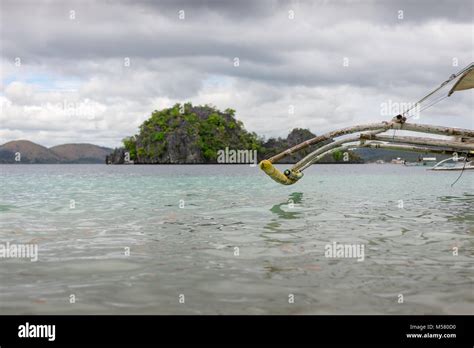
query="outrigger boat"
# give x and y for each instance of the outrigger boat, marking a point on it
(371, 135)
(458, 163)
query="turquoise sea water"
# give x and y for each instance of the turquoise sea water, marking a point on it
(183, 225)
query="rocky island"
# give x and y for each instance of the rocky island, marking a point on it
(187, 134)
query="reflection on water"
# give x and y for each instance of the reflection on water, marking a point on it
(235, 242)
(288, 213)
(294, 198)
(463, 206)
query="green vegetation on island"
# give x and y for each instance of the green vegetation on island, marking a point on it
(195, 134)
(188, 134)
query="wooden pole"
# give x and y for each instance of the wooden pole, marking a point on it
(419, 141)
(423, 128)
(306, 162)
(375, 145)
(329, 136)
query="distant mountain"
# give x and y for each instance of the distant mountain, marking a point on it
(24, 151)
(81, 153)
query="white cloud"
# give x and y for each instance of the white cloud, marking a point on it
(73, 86)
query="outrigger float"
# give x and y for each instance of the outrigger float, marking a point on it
(371, 135)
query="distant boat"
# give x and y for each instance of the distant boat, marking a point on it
(425, 161)
(414, 164)
(398, 160)
(458, 163)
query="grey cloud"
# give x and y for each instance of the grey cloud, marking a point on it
(272, 49)
(282, 61)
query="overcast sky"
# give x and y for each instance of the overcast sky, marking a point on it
(93, 71)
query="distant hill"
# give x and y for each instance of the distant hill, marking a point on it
(24, 151)
(81, 153)
(28, 152)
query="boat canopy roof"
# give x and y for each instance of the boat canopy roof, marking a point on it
(466, 81)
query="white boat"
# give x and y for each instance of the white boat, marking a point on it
(398, 160)
(458, 163)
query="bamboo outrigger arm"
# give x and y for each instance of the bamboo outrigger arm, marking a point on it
(421, 141)
(377, 145)
(372, 139)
